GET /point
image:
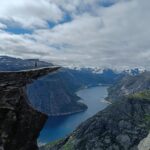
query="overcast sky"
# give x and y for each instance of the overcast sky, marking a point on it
(105, 33)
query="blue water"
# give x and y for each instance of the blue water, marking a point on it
(59, 127)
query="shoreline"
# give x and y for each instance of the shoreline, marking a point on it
(81, 101)
(65, 114)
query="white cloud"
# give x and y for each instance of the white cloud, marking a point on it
(2, 26)
(30, 13)
(116, 36)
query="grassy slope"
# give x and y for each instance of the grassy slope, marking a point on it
(144, 95)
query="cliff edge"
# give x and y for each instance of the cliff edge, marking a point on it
(20, 124)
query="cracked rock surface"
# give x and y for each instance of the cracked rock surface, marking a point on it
(20, 124)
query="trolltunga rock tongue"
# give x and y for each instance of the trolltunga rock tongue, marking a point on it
(20, 124)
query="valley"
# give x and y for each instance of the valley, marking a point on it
(60, 126)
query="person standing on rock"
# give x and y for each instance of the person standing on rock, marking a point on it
(36, 64)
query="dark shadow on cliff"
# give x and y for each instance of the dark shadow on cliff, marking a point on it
(20, 124)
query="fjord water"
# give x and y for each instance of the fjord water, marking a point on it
(58, 127)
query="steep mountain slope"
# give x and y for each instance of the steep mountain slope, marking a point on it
(129, 85)
(20, 124)
(53, 97)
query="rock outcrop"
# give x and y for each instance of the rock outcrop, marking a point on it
(145, 143)
(20, 124)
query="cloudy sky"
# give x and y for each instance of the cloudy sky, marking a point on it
(105, 33)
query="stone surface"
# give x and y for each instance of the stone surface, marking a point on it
(20, 124)
(145, 144)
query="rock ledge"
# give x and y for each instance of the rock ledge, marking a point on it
(20, 124)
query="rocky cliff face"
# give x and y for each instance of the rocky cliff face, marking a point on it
(20, 124)
(145, 143)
